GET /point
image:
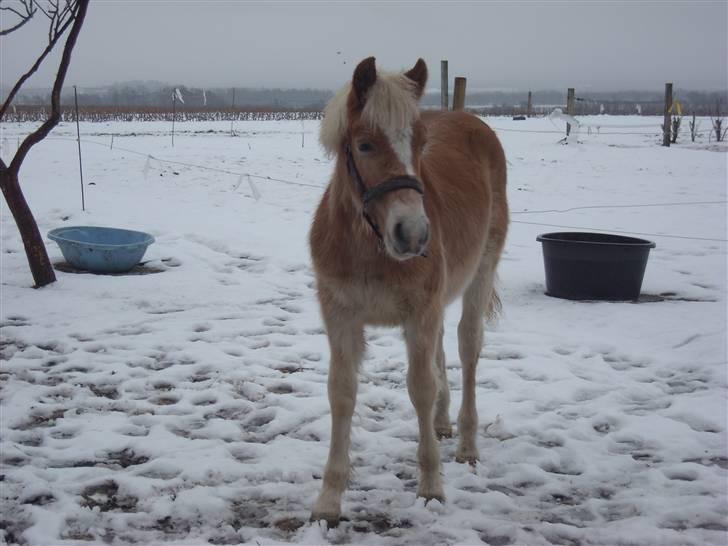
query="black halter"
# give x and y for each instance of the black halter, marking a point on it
(404, 182)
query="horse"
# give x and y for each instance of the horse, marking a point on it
(414, 215)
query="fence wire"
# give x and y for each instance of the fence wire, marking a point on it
(669, 236)
(192, 165)
(544, 211)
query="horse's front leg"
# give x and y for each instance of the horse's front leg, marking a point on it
(422, 335)
(346, 340)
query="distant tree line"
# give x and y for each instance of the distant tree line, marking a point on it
(155, 95)
(146, 113)
(153, 101)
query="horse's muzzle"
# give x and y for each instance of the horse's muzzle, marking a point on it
(409, 237)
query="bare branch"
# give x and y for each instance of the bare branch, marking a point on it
(14, 28)
(28, 5)
(57, 11)
(58, 16)
(42, 9)
(25, 15)
(53, 14)
(43, 130)
(33, 68)
(16, 12)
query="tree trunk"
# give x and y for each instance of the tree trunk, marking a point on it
(40, 264)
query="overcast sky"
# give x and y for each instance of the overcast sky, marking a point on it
(606, 45)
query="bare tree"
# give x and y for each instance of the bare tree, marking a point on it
(694, 126)
(676, 122)
(717, 123)
(61, 15)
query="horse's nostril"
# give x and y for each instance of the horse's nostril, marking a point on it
(399, 233)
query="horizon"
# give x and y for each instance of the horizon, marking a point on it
(159, 84)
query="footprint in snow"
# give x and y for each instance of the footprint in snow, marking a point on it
(15, 320)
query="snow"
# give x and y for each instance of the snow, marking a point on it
(188, 405)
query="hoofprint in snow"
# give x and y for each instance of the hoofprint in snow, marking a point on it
(188, 404)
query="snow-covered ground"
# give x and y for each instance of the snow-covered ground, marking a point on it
(188, 405)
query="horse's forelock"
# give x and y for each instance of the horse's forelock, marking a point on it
(391, 105)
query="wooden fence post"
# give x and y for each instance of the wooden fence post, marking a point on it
(529, 106)
(458, 97)
(666, 124)
(444, 99)
(569, 107)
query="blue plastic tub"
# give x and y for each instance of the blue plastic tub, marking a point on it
(101, 249)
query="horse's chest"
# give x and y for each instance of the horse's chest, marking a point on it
(373, 300)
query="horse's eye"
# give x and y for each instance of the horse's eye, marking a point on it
(365, 147)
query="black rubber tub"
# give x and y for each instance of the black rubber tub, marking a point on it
(594, 266)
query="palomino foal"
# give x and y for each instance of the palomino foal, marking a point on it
(415, 215)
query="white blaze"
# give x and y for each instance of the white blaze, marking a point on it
(401, 142)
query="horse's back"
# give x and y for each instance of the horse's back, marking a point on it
(464, 170)
(460, 136)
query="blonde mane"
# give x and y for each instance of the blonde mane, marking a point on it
(391, 105)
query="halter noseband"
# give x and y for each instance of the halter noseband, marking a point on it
(403, 182)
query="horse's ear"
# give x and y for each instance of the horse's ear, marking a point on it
(418, 74)
(364, 77)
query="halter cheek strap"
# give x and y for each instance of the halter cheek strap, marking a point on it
(404, 182)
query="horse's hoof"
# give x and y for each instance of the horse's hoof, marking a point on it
(470, 459)
(332, 520)
(465, 454)
(431, 491)
(443, 432)
(440, 497)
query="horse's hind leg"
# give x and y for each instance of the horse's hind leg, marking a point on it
(346, 339)
(443, 429)
(476, 302)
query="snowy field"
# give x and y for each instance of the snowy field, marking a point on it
(187, 405)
